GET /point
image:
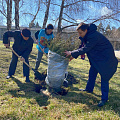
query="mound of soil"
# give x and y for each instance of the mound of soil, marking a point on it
(42, 85)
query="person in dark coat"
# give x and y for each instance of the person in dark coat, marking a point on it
(23, 44)
(101, 57)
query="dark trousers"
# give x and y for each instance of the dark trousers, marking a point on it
(91, 83)
(13, 65)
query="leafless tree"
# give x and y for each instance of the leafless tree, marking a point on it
(70, 11)
(34, 15)
(17, 14)
(45, 3)
(46, 14)
(73, 7)
(7, 13)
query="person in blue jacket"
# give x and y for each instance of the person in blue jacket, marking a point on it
(23, 44)
(43, 36)
(101, 57)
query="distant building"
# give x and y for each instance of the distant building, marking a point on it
(65, 35)
(4, 28)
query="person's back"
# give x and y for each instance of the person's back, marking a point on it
(103, 49)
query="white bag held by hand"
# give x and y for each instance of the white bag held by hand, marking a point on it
(57, 66)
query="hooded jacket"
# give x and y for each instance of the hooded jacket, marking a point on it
(99, 51)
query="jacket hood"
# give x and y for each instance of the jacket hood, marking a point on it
(92, 28)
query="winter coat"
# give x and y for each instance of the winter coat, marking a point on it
(99, 51)
(20, 45)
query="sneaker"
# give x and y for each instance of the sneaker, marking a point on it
(85, 90)
(102, 103)
(9, 76)
(27, 79)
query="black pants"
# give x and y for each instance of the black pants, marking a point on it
(13, 65)
(91, 83)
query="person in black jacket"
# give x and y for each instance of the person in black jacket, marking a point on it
(23, 44)
(101, 57)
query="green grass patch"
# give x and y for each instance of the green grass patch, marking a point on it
(19, 101)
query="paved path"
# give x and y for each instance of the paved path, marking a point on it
(117, 54)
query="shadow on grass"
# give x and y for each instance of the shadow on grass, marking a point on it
(33, 56)
(73, 96)
(92, 99)
(29, 92)
(114, 98)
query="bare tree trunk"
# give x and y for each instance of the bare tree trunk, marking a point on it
(46, 14)
(17, 14)
(60, 17)
(32, 22)
(9, 14)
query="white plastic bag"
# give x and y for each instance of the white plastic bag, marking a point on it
(57, 66)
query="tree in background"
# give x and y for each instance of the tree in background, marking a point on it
(17, 14)
(108, 31)
(66, 12)
(46, 13)
(100, 28)
(31, 25)
(44, 4)
(7, 14)
(37, 25)
(72, 10)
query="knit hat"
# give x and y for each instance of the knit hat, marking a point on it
(26, 32)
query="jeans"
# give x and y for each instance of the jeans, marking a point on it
(91, 83)
(38, 59)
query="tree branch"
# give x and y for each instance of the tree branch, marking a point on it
(55, 4)
(106, 17)
(29, 14)
(70, 17)
(68, 21)
(3, 13)
(70, 26)
(36, 12)
(115, 19)
(76, 2)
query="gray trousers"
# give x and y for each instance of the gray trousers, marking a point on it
(38, 59)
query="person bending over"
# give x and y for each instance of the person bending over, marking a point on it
(23, 44)
(101, 56)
